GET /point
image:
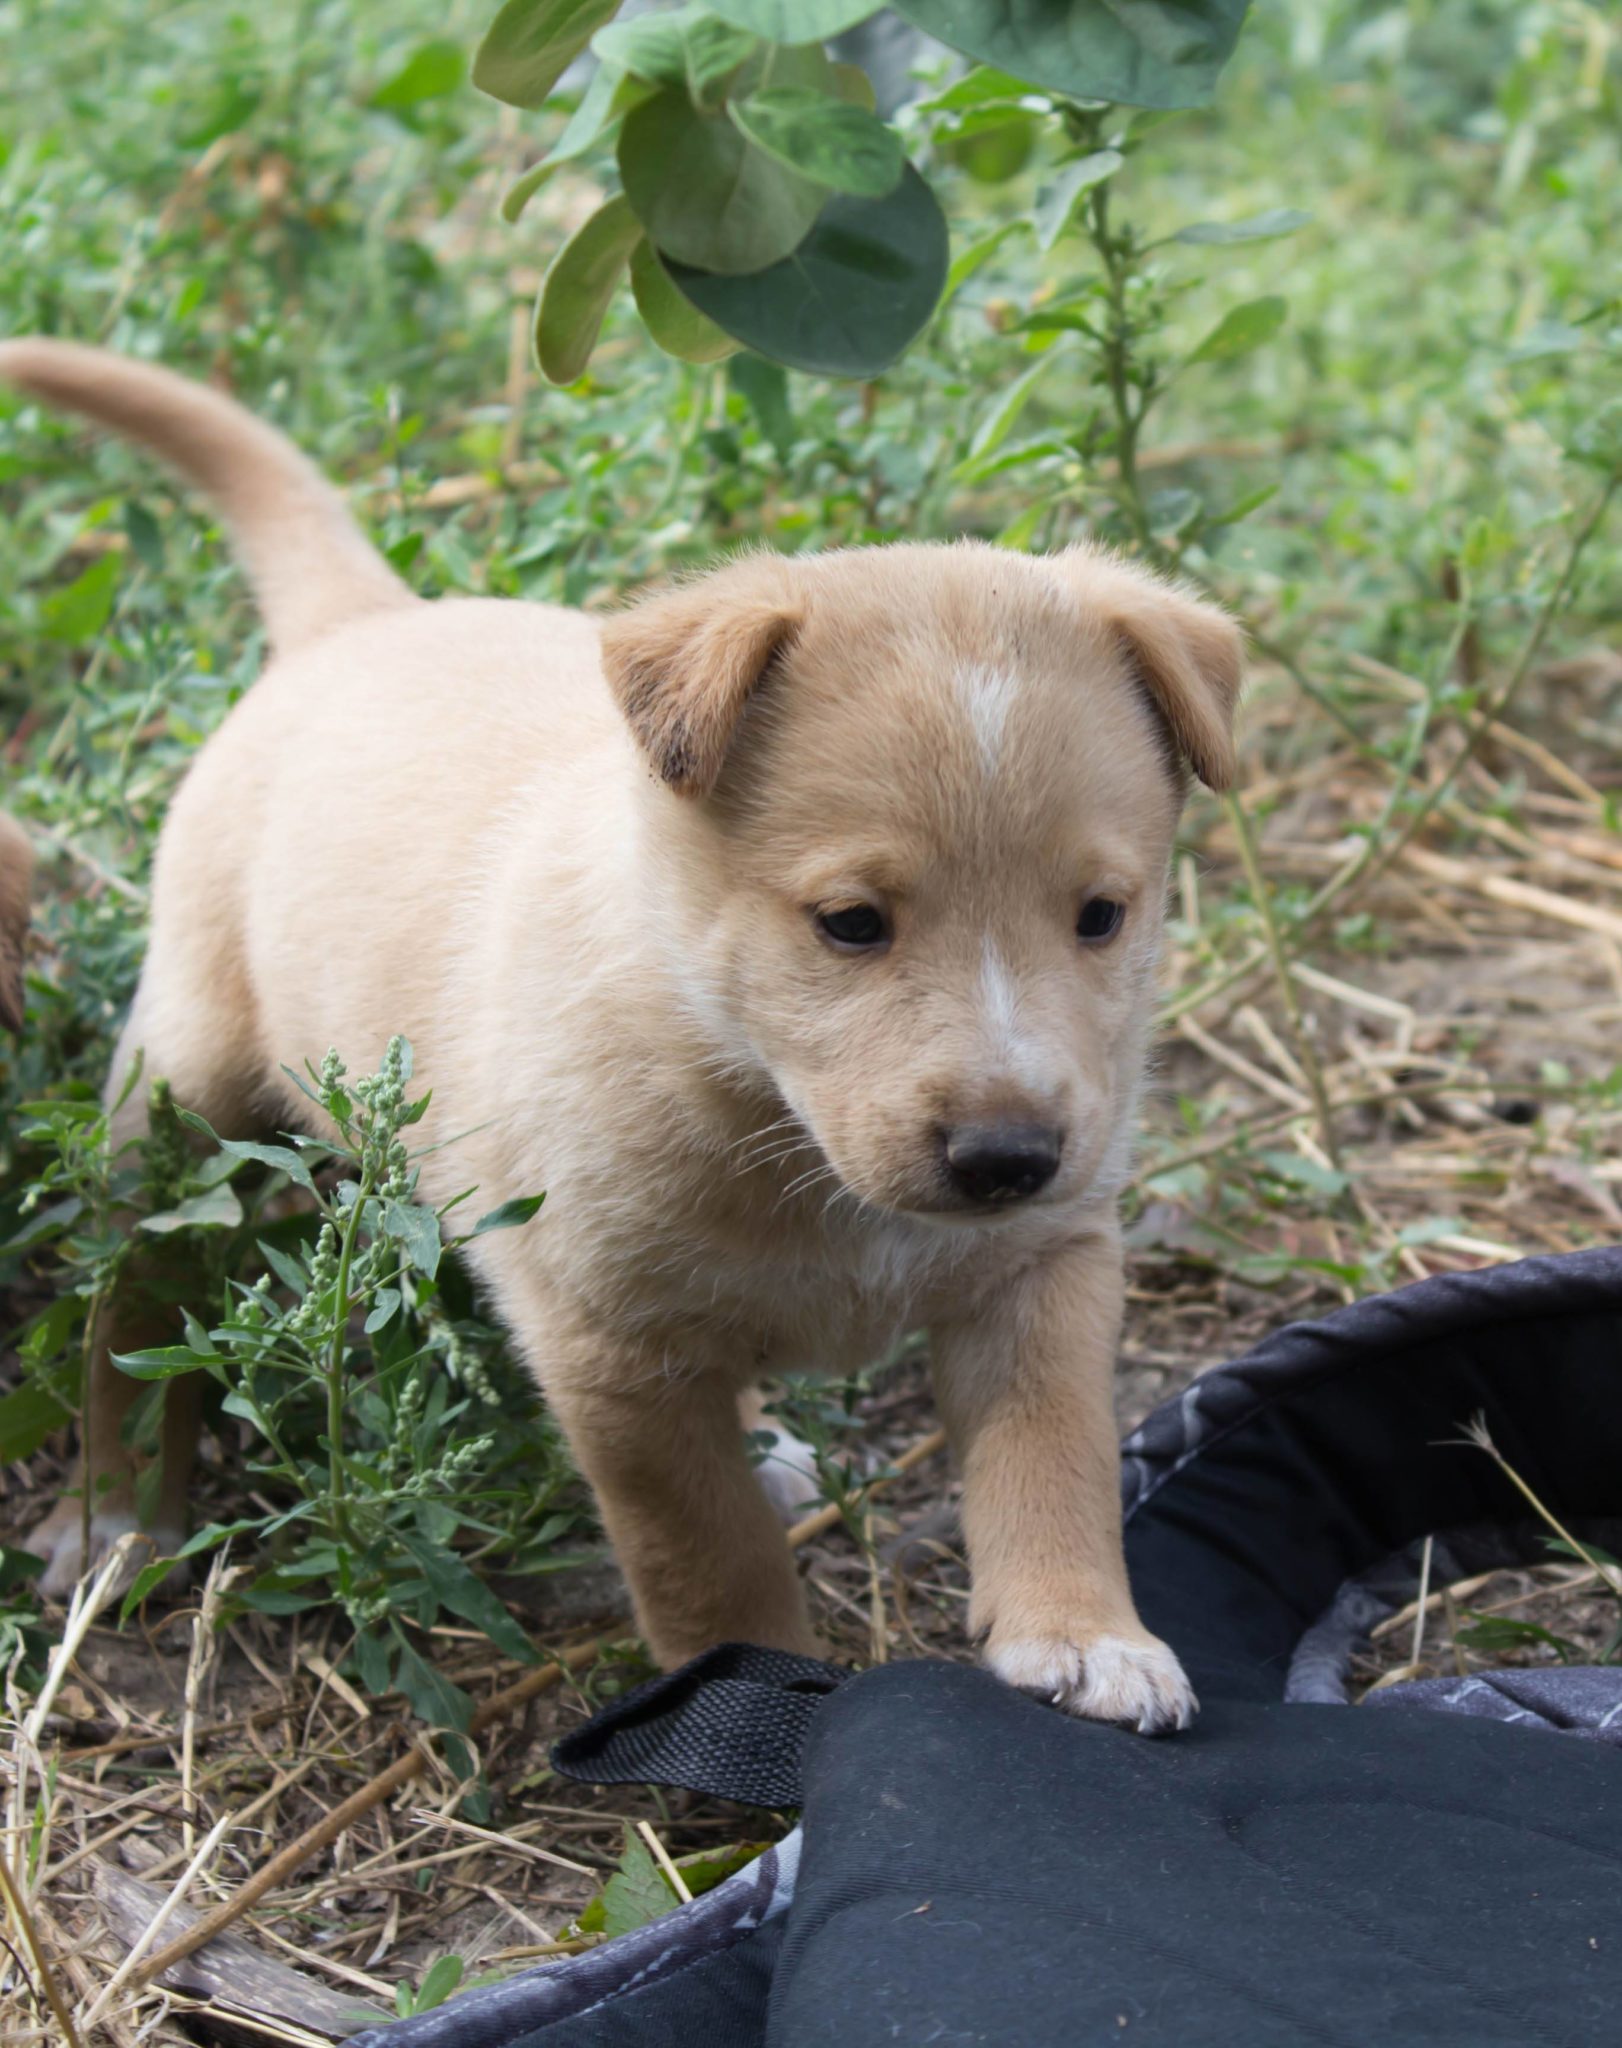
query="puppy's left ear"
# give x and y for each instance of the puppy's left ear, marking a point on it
(683, 666)
(1188, 654)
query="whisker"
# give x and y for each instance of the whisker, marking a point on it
(775, 1155)
(760, 1137)
(823, 1171)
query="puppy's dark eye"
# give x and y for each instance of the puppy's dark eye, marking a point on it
(856, 927)
(1101, 918)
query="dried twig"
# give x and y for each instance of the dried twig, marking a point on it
(661, 1856)
(1261, 896)
(23, 1920)
(411, 1765)
(1477, 1434)
(827, 1517)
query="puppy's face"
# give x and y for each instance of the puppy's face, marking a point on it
(918, 884)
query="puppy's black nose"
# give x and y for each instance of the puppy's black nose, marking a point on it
(1002, 1162)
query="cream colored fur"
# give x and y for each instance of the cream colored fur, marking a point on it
(578, 861)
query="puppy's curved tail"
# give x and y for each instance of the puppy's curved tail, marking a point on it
(310, 565)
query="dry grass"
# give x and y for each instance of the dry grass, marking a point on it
(187, 1760)
(1433, 1641)
(183, 1758)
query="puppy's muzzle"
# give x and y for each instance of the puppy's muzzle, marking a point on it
(1000, 1163)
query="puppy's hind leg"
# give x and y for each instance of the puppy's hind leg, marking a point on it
(100, 1501)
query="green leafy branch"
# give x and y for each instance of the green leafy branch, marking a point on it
(764, 204)
(374, 1524)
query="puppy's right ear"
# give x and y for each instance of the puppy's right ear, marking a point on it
(16, 867)
(683, 666)
(1187, 654)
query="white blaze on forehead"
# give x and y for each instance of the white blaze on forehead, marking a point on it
(988, 695)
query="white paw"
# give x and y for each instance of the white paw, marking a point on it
(1134, 1682)
(59, 1539)
(787, 1470)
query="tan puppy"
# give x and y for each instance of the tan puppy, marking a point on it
(796, 931)
(16, 870)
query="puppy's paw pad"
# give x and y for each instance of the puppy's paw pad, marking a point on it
(1134, 1682)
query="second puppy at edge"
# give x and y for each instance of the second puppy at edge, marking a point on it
(796, 930)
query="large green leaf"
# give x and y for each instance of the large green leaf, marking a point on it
(638, 1892)
(282, 1158)
(1061, 201)
(840, 145)
(764, 389)
(531, 43)
(703, 1869)
(780, 64)
(978, 88)
(27, 1416)
(1000, 422)
(165, 1364)
(152, 1575)
(705, 194)
(44, 1223)
(78, 611)
(979, 253)
(1241, 329)
(583, 278)
(649, 46)
(510, 1215)
(434, 1698)
(850, 298)
(1258, 227)
(416, 1231)
(522, 190)
(794, 21)
(444, 1976)
(677, 325)
(603, 104)
(1142, 53)
(216, 1208)
(455, 1587)
(687, 47)
(432, 71)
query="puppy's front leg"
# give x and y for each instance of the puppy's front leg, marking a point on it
(692, 1529)
(1024, 1387)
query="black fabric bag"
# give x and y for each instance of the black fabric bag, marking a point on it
(972, 1867)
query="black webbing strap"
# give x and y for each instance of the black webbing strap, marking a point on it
(731, 1722)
